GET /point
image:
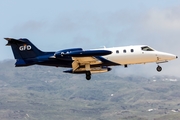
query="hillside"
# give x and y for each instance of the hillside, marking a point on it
(46, 93)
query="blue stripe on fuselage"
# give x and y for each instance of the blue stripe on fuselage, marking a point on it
(66, 62)
(47, 61)
(106, 62)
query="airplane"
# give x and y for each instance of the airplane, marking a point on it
(86, 61)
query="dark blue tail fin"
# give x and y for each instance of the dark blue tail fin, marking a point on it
(23, 48)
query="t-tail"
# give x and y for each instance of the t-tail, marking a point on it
(24, 51)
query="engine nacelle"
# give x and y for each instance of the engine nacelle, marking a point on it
(78, 52)
(61, 54)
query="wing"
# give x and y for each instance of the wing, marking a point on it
(82, 60)
(87, 58)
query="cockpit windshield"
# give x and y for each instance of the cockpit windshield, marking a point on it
(146, 48)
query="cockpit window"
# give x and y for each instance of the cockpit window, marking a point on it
(146, 48)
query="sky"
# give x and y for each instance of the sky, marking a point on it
(59, 24)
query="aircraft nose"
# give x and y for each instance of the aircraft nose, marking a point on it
(166, 56)
(171, 57)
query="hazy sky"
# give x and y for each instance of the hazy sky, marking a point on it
(58, 24)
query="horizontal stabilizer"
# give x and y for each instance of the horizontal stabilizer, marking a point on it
(12, 40)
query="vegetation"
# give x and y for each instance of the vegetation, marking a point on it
(46, 93)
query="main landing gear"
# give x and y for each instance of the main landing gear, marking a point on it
(159, 68)
(88, 75)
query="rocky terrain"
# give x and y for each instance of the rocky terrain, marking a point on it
(46, 93)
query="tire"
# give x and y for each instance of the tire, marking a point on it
(88, 77)
(159, 68)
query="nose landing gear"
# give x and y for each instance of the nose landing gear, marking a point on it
(159, 68)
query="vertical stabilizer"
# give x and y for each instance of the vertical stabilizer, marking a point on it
(23, 48)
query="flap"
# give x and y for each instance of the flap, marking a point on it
(86, 60)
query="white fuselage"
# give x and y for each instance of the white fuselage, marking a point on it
(138, 54)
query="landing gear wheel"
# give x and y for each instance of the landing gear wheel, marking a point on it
(159, 68)
(88, 75)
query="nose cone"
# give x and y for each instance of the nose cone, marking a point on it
(166, 56)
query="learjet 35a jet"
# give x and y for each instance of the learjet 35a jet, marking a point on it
(86, 61)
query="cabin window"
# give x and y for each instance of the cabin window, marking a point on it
(117, 51)
(132, 50)
(146, 48)
(124, 51)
